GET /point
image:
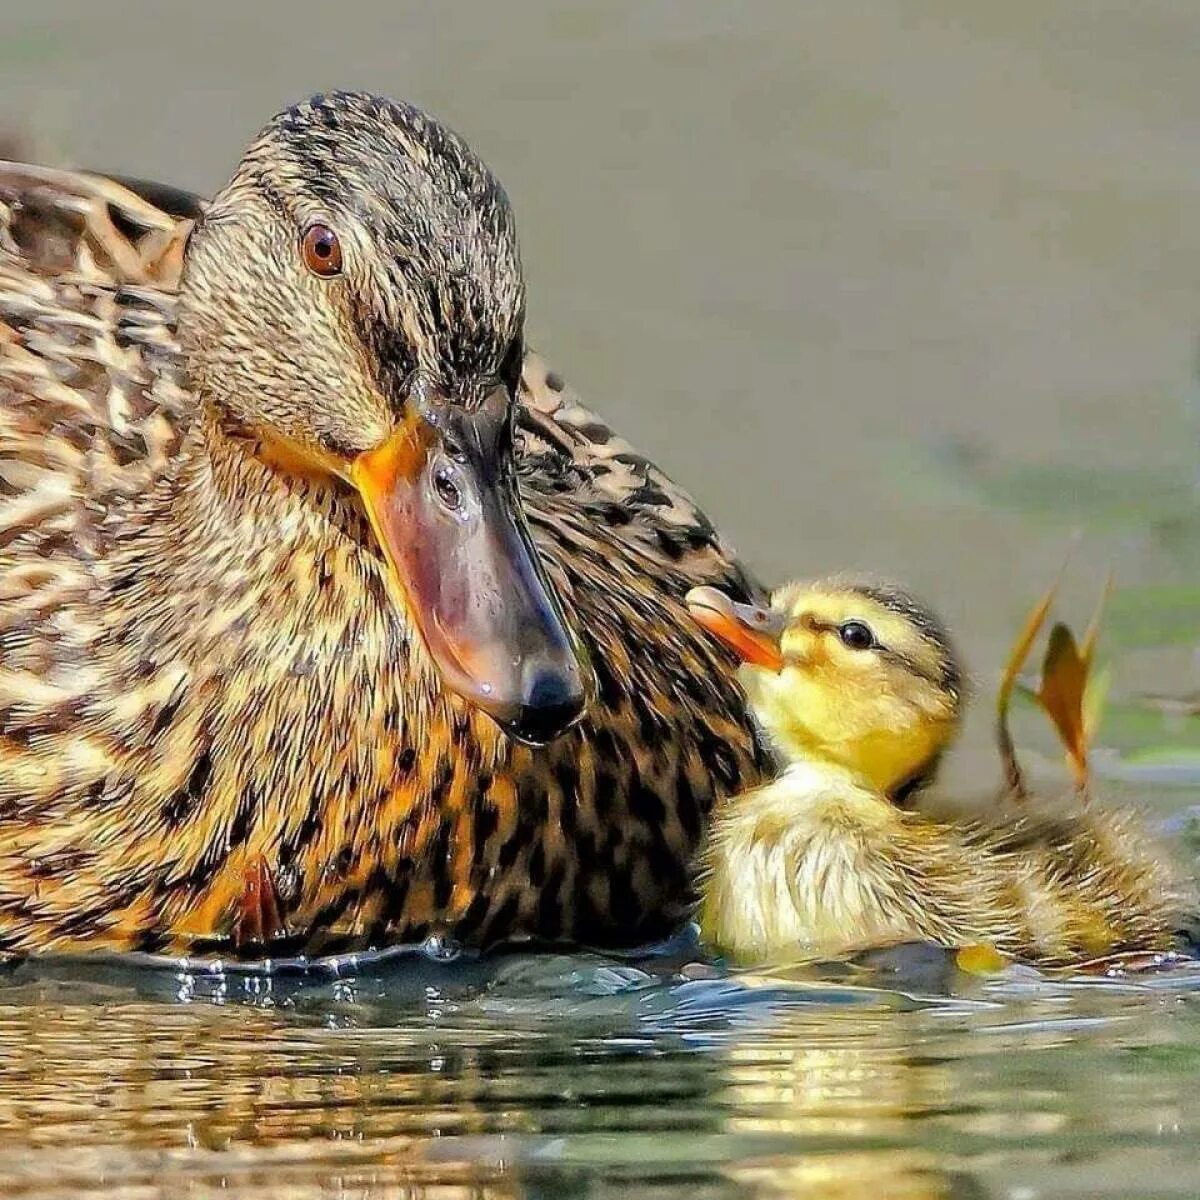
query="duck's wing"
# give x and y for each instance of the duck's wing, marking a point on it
(70, 222)
(90, 401)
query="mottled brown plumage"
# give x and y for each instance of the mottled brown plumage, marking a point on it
(203, 669)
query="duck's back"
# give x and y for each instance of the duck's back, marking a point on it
(1087, 881)
(815, 865)
(91, 407)
(595, 835)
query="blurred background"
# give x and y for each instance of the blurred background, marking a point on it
(910, 288)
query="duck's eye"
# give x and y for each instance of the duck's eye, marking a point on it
(447, 489)
(322, 251)
(856, 635)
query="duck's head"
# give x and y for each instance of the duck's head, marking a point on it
(352, 305)
(857, 675)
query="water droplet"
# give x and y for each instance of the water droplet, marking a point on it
(441, 948)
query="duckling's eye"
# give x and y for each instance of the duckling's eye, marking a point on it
(322, 251)
(857, 636)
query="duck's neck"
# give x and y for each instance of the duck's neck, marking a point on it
(823, 774)
(232, 557)
(801, 798)
(225, 486)
(877, 761)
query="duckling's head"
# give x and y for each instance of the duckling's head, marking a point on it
(352, 309)
(861, 676)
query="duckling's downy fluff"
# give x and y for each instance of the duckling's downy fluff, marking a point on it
(860, 690)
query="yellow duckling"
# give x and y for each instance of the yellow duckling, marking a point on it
(860, 690)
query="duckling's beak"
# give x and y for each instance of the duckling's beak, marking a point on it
(442, 496)
(751, 631)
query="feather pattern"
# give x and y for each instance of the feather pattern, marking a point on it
(201, 670)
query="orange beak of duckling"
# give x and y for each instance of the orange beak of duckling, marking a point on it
(751, 631)
(442, 497)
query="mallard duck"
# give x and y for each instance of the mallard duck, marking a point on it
(860, 691)
(323, 601)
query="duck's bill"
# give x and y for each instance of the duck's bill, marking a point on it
(751, 631)
(443, 502)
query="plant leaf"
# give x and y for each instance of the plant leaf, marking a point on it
(1087, 648)
(1064, 681)
(1012, 670)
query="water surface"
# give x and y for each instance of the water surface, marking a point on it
(581, 1076)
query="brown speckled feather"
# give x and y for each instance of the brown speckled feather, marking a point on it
(189, 690)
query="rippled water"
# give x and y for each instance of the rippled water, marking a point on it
(555, 1076)
(911, 287)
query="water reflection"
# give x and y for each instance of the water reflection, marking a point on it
(850, 1093)
(475, 1085)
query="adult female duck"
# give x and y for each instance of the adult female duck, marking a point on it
(278, 599)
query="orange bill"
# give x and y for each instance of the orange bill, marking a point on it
(751, 631)
(442, 497)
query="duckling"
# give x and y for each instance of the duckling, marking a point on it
(326, 609)
(860, 690)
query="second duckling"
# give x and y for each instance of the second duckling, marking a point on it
(860, 690)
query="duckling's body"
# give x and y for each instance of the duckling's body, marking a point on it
(822, 862)
(206, 667)
(817, 864)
